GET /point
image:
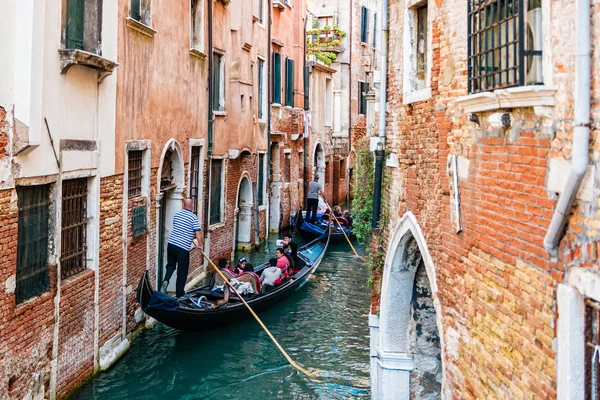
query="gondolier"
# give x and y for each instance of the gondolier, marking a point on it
(312, 198)
(186, 228)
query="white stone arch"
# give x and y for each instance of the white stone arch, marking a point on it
(168, 202)
(392, 361)
(318, 161)
(243, 213)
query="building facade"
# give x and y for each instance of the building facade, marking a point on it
(492, 149)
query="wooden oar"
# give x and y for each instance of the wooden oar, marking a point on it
(342, 229)
(285, 354)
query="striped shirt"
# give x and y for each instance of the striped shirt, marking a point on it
(185, 226)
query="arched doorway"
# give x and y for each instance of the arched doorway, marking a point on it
(244, 215)
(319, 163)
(408, 339)
(169, 201)
(275, 199)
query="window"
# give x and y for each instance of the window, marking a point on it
(301, 165)
(134, 173)
(363, 89)
(216, 191)
(505, 44)
(342, 169)
(325, 21)
(83, 25)
(375, 30)
(218, 94)
(197, 26)
(195, 177)
(421, 49)
(139, 221)
(32, 246)
(287, 168)
(276, 78)
(328, 102)
(592, 340)
(261, 179)
(289, 82)
(364, 25)
(140, 11)
(262, 91)
(261, 12)
(74, 226)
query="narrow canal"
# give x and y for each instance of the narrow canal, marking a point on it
(323, 327)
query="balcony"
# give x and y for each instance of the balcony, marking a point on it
(325, 43)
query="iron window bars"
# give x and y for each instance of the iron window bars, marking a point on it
(32, 246)
(504, 46)
(194, 177)
(135, 169)
(592, 346)
(74, 226)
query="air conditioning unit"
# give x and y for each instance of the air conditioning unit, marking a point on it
(533, 42)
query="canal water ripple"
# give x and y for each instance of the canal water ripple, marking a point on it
(323, 327)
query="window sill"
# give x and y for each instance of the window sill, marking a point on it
(416, 96)
(198, 54)
(220, 113)
(262, 208)
(517, 97)
(70, 57)
(140, 27)
(276, 105)
(216, 226)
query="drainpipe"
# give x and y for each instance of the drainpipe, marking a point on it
(581, 129)
(306, 76)
(269, 99)
(210, 118)
(379, 153)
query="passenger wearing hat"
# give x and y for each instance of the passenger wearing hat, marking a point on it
(312, 198)
(239, 268)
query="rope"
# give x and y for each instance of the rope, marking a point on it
(285, 354)
(342, 229)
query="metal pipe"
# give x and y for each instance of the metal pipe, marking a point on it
(210, 119)
(379, 153)
(269, 99)
(581, 129)
(306, 77)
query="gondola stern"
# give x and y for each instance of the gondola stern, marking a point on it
(144, 290)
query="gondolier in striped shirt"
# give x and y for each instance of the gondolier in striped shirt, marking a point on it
(186, 228)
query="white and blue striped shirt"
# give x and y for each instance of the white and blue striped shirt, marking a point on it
(185, 226)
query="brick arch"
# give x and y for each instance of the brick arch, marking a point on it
(406, 251)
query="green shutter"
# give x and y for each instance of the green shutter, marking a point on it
(277, 78)
(375, 30)
(364, 25)
(261, 79)
(216, 92)
(289, 89)
(139, 221)
(75, 11)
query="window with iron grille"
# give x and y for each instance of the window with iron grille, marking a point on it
(135, 173)
(139, 221)
(505, 44)
(195, 177)
(32, 246)
(216, 191)
(261, 179)
(74, 227)
(592, 341)
(363, 88)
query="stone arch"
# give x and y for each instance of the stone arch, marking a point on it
(243, 219)
(170, 187)
(319, 162)
(409, 277)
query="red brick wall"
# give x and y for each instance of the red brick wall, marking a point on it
(76, 332)
(136, 259)
(111, 258)
(25, 330)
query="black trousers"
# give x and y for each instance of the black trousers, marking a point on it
(312, 205)
(178, 258)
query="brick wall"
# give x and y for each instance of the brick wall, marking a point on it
(496, 281)
(136, 260)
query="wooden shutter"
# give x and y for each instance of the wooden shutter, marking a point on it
(364, 25)
(75, 26)
(375, 30)
(289, 75)
(276, 78)
(216, 92)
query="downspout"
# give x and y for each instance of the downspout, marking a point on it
(581, 129)
(379, 153)
(349, 100)
(306, 76)
(269, 99)
(210, 120)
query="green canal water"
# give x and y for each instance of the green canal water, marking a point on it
(323, 326)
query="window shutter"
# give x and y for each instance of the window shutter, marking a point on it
(216, 92)
(277, 78)
(289, 91)
(364, 24)
(375, 30)
(135, 12)
(75, 24)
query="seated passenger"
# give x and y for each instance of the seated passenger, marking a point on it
(348, 218)
(271, 275)
(249, 267)
(239, 268)
(223, 263)
(337, 211)
(282, 262)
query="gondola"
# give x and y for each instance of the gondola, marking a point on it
(309, 231)
(196, 312)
